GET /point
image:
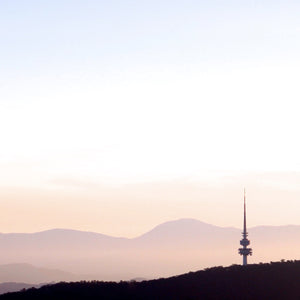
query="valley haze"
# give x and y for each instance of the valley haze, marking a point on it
(171, 248)
(117, 116)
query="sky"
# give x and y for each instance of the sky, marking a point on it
(116, 116)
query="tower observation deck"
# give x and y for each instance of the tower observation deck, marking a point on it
(244, 241)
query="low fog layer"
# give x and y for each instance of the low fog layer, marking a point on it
(171, 248)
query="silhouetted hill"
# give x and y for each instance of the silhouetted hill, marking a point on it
(279, 280)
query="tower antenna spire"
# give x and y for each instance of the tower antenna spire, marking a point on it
(244, 241)
(245, 225)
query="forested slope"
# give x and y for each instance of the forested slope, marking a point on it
(277, 280)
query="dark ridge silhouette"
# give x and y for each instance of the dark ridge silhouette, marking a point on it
(276, 280)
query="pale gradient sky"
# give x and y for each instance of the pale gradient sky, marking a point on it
(118, 115)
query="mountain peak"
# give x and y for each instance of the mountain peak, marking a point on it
(182, 227)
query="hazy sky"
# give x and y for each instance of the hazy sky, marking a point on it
(118, 115)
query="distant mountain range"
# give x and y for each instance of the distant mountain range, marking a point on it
(171, 248)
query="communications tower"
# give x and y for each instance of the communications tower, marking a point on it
(245, 242)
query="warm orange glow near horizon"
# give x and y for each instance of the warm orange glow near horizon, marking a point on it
(115, 119)
(129, 210)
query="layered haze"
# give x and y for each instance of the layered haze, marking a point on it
(171, 248)
(116, 116)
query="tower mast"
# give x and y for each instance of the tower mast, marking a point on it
(244, 241)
